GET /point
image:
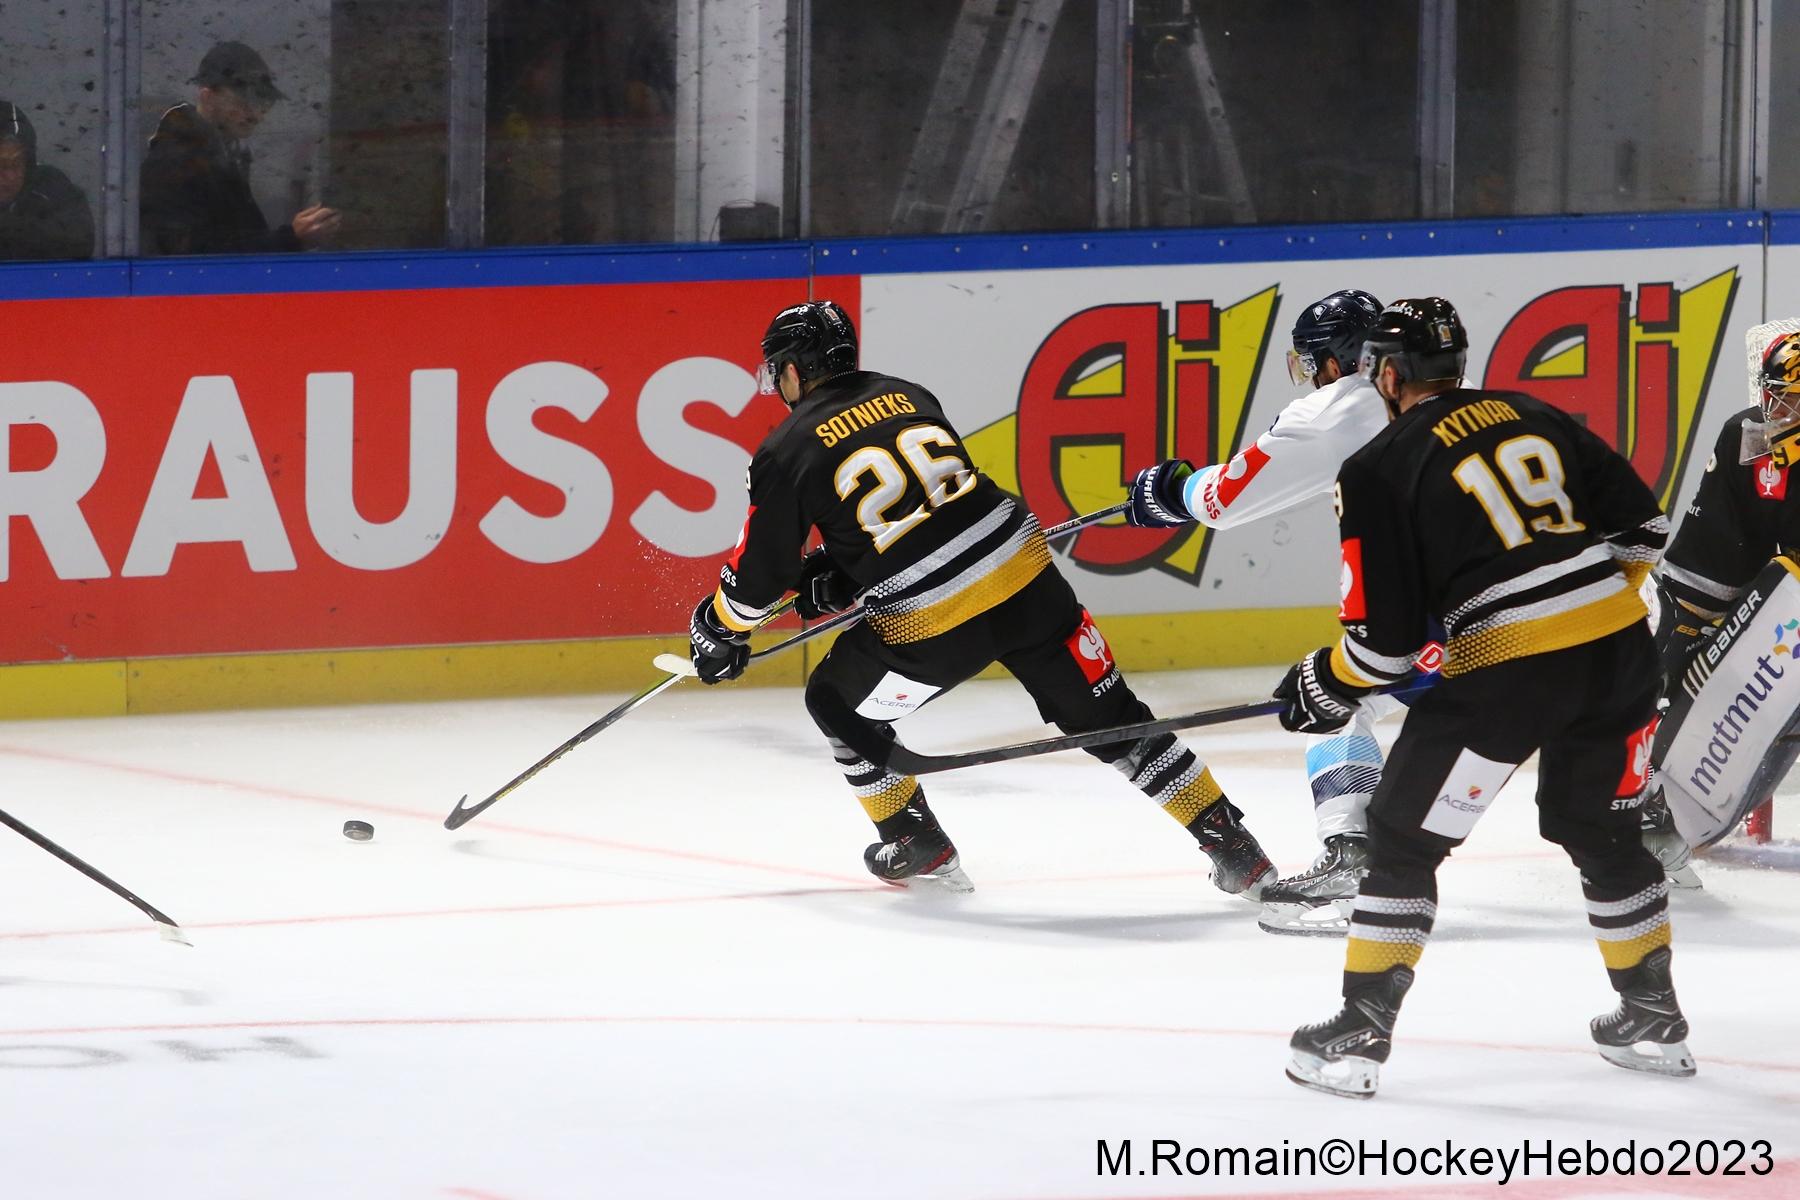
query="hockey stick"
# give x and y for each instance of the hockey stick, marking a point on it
(678, 668)
(675, 663)
(894, 757)
(164, 925)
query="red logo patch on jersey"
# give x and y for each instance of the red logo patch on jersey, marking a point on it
(1225, 485)
(1089, 650)
(737, 551)
(1771, 480)
(1350, 585)
(1430, 659)
(1637, 760)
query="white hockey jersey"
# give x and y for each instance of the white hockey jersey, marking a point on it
(1296, 459)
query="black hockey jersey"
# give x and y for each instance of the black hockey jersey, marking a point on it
(1498, 516)
(1743, 515)
(874, 464)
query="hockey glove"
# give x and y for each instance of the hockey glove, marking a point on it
(1315, 700)
(1156, 495)
(823, 589)
(717, 652)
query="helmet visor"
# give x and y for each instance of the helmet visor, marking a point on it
(1780, 403)
(767, 374)
(1302, 366)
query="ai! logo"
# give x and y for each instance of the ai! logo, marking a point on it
(1117, 388)
(1090, 651)
(1637, 761)
(1637, 379)
(1771, 481)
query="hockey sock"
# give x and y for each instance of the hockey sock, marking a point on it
(1389, 926)
(1628, 927)
(1169, 773)
(881, 792)
(1343, 769)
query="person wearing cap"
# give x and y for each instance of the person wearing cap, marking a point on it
(195, 196)
(42, 213)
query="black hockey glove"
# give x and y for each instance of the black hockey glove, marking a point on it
(823, 589)
(1315, 700)
(717, 652)
(1156, 495)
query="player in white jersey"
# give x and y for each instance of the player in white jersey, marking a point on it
(1295, 460)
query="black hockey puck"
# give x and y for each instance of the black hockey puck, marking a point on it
(358, 831)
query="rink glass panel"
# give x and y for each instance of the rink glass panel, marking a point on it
(53, 63)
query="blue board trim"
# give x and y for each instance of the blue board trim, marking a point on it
(1526, 235)
(425, 270)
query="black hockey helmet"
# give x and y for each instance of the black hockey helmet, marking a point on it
(817, 337)
(1421, 339)
(1331, 328)
(1778, 382)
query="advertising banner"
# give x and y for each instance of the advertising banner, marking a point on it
(1066, 382)
(229, 474)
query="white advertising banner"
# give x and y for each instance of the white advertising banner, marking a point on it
(1066, 381)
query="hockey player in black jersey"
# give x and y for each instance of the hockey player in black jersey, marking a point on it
(1526, 536)
(953, 575)
(1734, 567)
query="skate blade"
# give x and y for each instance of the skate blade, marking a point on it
(1672, 1059)
(948, 879)
(1331, 919)
(1352, 1078)
(1686, 879)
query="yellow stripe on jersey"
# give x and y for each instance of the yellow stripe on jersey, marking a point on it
(981, 594)
(727, 614)
(1541, 635)
(1347, 674)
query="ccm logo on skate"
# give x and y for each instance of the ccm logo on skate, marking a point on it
(1092, 654)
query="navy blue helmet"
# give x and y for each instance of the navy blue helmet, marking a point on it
(1331, 328)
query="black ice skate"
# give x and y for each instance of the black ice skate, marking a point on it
(1317, 901)
(1240, 867)
(1343, 1056)
(1647, 1017)
(1662, 839)
(920, 853)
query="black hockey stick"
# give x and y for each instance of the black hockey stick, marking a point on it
(884, 752)
(674, 663)
(164, 924)
(678, 668)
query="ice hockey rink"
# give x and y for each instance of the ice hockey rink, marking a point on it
(659, 970)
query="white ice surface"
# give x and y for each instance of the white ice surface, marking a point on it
(658, 970)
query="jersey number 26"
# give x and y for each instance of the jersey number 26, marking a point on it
(943, 478)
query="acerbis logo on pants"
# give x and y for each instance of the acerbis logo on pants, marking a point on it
(1092, 654)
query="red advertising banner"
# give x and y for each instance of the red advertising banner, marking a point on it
(220, 474)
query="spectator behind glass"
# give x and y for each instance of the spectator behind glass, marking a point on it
(42, 213)
(196, 196)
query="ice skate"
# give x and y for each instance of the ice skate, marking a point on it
(1647, 1031)
(1240, 867)
(1317, 901)
(1343, 1056)
(925, 856)
(1662, 839)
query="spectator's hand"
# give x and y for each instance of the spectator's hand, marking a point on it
(312, 225)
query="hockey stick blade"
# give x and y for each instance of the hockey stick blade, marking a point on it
(464, 812)
(165, 924)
